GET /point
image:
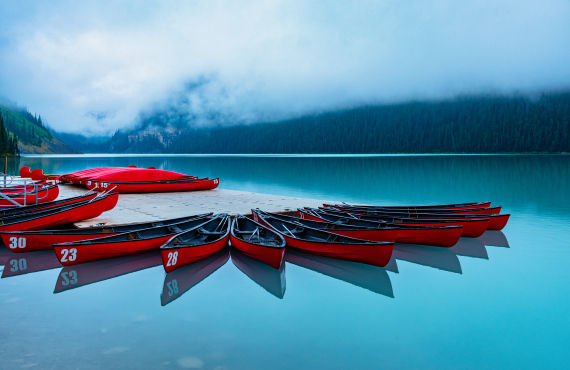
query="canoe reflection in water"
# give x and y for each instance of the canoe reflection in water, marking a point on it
(269, 278)
(470, 247)
(19, 264)
(5, 254)
(71, 277)
(182, 279)
(369, 277)
(436, 257)
(495, 238)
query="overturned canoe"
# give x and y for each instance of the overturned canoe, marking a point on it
(154, 186)
(118, 174)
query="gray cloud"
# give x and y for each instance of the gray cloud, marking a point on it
(89, 67)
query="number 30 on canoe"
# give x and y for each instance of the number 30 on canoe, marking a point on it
(17, 242)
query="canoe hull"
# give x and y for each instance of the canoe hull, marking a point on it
(426, 235)
(271, 256)
(173, 258)
(446, 237)
(498, 222)
(471, 228)
(41, 196)
(81, 212)
(376, 255)
(154, 187)
(375, 235)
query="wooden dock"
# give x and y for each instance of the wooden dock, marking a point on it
(158, 206)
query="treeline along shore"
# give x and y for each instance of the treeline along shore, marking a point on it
(483, 124)
(470, 124)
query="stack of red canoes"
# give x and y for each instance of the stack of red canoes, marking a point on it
(138, 180)
(127, 179)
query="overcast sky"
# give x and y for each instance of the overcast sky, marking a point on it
(92, 67)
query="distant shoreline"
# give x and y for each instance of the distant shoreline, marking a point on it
(289, 155)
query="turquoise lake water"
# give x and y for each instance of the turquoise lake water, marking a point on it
(498, 301)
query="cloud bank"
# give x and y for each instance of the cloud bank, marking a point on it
(93, 67)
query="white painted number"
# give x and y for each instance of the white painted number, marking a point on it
(69, 278)
(172, 287)
(68, 255)
(172, 258)
(17, 242)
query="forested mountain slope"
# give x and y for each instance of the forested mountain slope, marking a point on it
(477, 124)
(31, 133)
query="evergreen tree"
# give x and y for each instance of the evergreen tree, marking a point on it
(3, 137)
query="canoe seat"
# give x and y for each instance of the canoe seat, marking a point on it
(133, 236)
(296, 230)
(206, 232)
(332, 237)
(244, 232)
(175, 229)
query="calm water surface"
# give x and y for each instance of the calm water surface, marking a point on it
(499, 301)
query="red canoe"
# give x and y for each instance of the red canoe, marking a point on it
(26, 172)
(41, 195)
(257, 241)
(122, 174)
(28, 187)
(446, 236)
(376, 233)
(498, 222)
(478, 211)
(455, 206)
(473, 226)
(123, 244)
(56, 216)
(154, 186)
(196, 243)
(43, 206)
(45, 239)
(330, 245)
